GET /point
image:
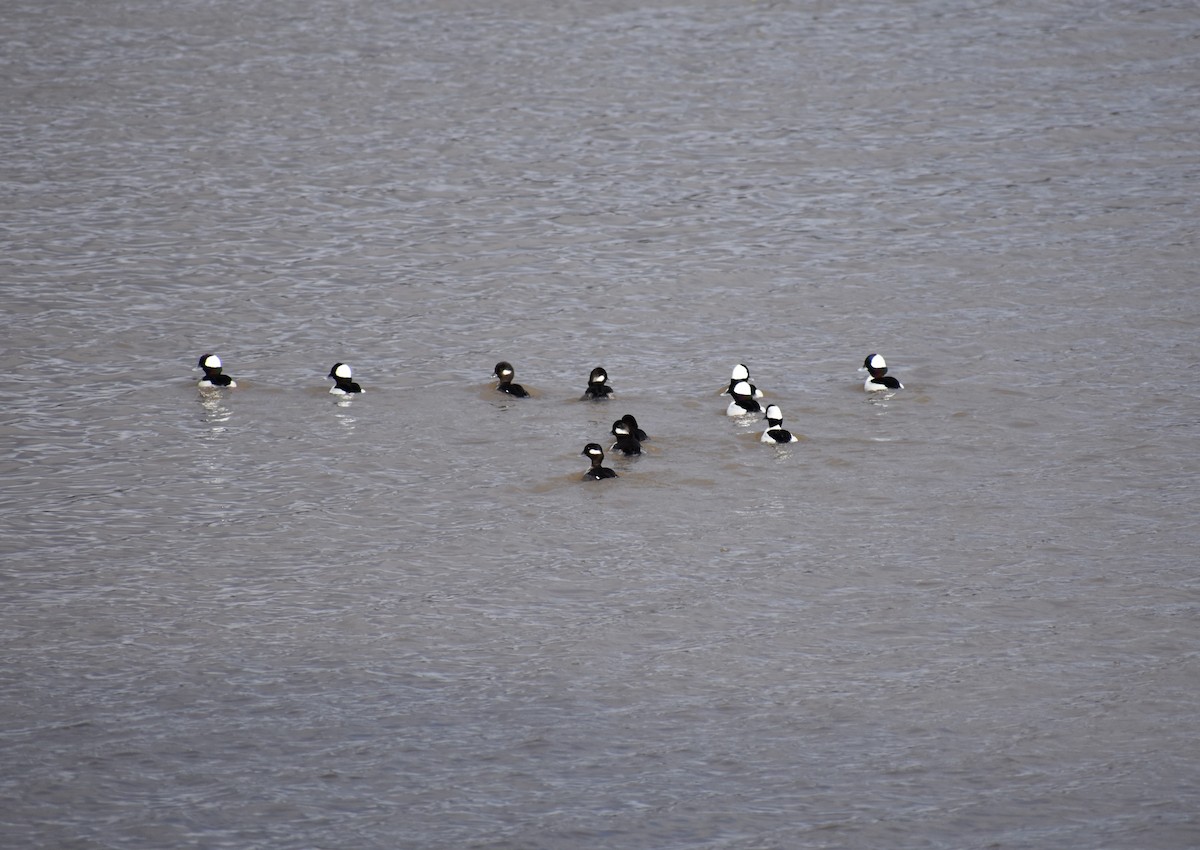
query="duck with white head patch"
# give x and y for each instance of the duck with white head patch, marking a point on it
(598, 470)
(342, 385)
(743, 403)
(213, 377)
(741, 373)
(597, 388)
(627, 444)
(879, 379)
(504, 371)
(775, 432)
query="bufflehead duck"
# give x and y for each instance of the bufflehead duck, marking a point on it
(633, 428)
(597, 388)
(626, 443)
(879, 379)
(775, 432)
(211, 364)
(342, 385)
(504, 371)
(743, 401)
(741, 373)
(597, 471)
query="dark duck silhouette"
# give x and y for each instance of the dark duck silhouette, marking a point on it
(504, 371)
(598, 470)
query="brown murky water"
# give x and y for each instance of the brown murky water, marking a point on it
(963, 616)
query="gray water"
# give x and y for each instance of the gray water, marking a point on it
(962, 616)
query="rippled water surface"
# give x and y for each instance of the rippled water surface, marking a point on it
(961, 616)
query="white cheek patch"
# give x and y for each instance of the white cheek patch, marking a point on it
(342, 371)
(740, 373)
(212, 361)
(878, 362)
